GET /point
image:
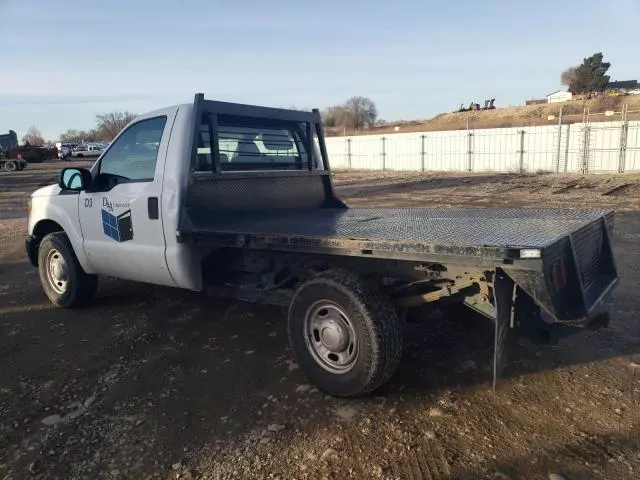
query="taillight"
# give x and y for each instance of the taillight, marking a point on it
(28, 208)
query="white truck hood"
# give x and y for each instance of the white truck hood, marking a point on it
(47, 191)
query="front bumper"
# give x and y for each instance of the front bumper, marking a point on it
(31, 245)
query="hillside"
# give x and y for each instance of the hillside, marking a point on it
(573, 112)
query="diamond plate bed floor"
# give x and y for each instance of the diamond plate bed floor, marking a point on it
(457, 227)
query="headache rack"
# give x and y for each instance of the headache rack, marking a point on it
(216, 189)
(213, 114)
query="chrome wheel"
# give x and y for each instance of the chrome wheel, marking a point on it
(57, 271)
(330, 337)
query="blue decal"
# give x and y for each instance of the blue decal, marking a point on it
(119, 228)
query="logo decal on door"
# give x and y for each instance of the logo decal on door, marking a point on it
(118, 227)
(110, 206)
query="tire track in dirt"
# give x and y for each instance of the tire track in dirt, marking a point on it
(425, 461)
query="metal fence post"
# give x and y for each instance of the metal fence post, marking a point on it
(624, 133)
(384, 154)
(422, 152)
(559, 140)
(566, 148)
(521, 152)
(586, 138)
(470, 152)
(349, 152)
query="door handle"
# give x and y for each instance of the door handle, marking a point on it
(152, 208)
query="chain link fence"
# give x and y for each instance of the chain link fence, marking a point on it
(587, 142)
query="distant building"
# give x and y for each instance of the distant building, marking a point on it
(622, 86)
(8, 140)
(559, 96)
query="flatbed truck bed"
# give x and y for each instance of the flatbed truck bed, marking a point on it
(417, 233)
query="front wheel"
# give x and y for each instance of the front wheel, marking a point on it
(345, 333)
(62, 278)
(10, 166)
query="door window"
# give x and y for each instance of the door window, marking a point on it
(133, 156)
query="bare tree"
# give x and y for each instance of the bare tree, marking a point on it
(33, 137)
(355, 113)
(362, 112)
(78, 136)
(336, 116)
(71, 136)
(568, 76)
(110, 124)
(328, 117)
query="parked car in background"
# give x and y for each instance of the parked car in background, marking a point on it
(634, 92)
(64, 153)
(51, 152)
(87, 150)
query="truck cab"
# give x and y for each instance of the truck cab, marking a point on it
(131, 210)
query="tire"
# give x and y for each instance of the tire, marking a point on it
(62, 278)
(10, 166)
(361, 326)
(80, 155)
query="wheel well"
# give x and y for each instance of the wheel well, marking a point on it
(45, 227)
(42, 228)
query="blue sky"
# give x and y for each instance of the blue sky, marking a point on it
(64, 61)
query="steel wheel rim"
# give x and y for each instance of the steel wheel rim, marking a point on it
(331, 337)
(57, 271)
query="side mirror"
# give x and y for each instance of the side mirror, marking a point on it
(75, 179)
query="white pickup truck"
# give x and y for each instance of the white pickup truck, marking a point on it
(238, 200)
(88, 150)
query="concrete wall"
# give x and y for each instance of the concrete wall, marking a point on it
(595, 147)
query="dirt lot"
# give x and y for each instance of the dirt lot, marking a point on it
(157, 383)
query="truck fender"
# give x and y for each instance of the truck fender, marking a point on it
(53, 213)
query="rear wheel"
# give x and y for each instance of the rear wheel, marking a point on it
(62, 278)
(345, 333)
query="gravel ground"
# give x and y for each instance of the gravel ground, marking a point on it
(157, 383)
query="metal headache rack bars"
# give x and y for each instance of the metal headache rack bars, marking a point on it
(216, 122)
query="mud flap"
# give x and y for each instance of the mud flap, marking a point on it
(504, 294)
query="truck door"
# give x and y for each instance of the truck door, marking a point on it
(120, 217)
